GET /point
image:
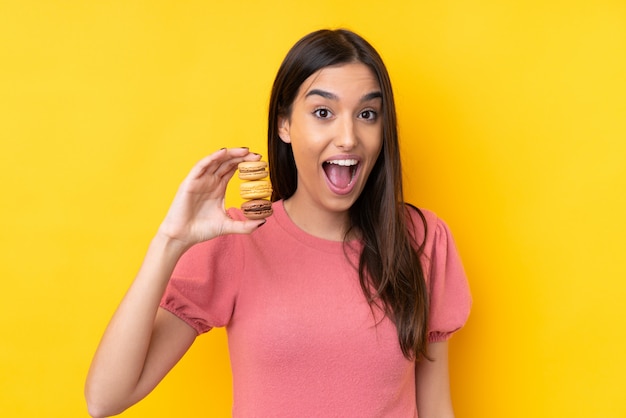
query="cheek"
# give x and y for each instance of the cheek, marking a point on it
(304, 150)
(373, 139)
(309, 138)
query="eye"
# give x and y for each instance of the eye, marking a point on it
(322, 113)
(368, 115)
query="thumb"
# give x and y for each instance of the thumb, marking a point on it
(245, 227)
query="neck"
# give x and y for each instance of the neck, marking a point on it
(316, 221)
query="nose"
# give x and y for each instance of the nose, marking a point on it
(346, 137)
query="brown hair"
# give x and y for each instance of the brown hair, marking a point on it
(390, 270)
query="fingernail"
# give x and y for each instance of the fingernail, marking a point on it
(262, 223)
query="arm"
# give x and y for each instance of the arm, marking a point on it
(432, 384)
(142, 342)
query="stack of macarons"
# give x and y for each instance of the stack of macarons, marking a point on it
(255, 189)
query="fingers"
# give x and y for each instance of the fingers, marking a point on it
(222, 162)
(228, 167)
(206, 184)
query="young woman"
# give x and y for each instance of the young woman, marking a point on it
(338, 305)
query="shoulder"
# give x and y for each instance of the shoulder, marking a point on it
(432, 234)
(421, 214)
(424, 224)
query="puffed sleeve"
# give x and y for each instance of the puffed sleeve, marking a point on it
(450, 298)
(203, 287)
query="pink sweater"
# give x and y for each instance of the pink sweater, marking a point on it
(302, 338)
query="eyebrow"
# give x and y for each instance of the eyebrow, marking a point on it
(332, 96)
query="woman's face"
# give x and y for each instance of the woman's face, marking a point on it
(335, 131)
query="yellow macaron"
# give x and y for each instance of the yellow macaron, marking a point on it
(257, 189)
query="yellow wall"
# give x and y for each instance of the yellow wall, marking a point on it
(513, 120)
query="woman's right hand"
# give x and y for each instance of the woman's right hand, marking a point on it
(143, 342)
(197, 213)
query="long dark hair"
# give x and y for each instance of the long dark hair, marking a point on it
(390, 270)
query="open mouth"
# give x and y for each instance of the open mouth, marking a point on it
(340, 173)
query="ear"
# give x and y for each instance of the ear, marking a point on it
(283, 129)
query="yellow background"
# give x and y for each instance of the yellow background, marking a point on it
(512, 116)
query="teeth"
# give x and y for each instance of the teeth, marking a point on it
(343, 162)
